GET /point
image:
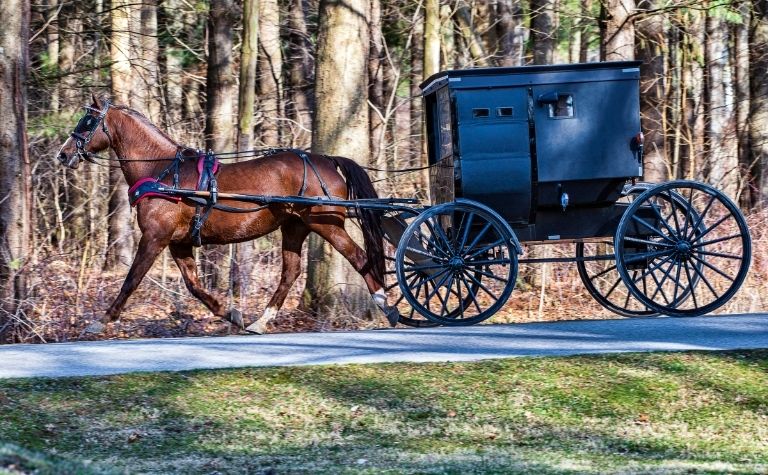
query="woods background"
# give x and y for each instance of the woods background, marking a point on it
(340, 77)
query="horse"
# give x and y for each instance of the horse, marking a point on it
(140, 147)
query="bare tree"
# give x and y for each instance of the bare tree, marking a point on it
(341, 127)
(543, 27)
(120, 229)
(15, 177)
(758, 121)
(618, 32)
(270, 73)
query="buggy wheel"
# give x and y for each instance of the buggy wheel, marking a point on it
(457, 263)
(601, 278)
(603, 281)
(690, 258)
(395, 226)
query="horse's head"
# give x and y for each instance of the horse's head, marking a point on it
(90, 135)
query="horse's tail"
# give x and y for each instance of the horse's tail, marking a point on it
(359, 186)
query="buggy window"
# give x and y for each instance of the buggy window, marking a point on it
(563, 108)
(444, 121)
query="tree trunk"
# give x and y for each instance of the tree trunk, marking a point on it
(301, 76)
(650, 50)
(174, 93)
(586, 30)
(510, 32)
(431, 37)
(618, 40)
(149, 67)
(376, 63)
(447, 39)
(220, 114)
(15, 179)
(543, 31)
(758, 121)
(341, 127)
(472, 40)
(53, 50)
(417, 154)
(120, 229)
(741, 94)
(270, 73)
(722, 163)
(242, 264)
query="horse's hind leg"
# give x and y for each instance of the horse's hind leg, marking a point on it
(149, 248)
(342, 242)
(185, 259)
(294, 234)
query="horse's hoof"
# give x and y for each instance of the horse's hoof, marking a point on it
(257, 328)
(94, 328)
(393, 316)
(235, 317)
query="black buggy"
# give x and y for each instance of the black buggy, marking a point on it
(553, 154)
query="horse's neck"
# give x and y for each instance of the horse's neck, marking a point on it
(138, 145)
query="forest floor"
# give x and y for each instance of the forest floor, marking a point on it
(640, 413)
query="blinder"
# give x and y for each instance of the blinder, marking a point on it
(86, 127)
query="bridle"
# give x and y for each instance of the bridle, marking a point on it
(88, 123)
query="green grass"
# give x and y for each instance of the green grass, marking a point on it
(638, 413)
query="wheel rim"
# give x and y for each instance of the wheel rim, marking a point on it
(456, 264)
(408, 315)
(692, 258)
(603, 281)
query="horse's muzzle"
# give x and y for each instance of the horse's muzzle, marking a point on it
(71, 161)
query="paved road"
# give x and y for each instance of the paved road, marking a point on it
(415, 345)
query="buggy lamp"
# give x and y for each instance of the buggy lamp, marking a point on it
(564, 200)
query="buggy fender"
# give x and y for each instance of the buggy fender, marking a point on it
(504, 222)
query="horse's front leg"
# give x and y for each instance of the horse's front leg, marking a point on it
(149, 248)
(184, 257)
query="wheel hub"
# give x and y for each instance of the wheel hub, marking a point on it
(683, 249)
(456, 263)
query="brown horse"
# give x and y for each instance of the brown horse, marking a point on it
(165, 223)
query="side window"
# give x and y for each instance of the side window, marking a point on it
(562, 108)
(444, 121)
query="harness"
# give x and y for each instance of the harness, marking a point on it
(207, 167)
(90, 124)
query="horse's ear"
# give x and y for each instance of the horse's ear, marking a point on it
(96, 101)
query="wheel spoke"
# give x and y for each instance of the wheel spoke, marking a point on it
(639, 257)
(465, 233)
(490, 262)
(690, 283)
(470, 292)
(490, 275)
(480, 234)
(674, 212)
(483, 249)
(707, 264)
(603, 272)
(613, 287)
(701, 217)
(423, 267)
(652, 228)
(715, 241)
(720, 254)
(480, 284)
(410, 249)
(656, 211)
(706, 281)
(706, 231)
(437, 230)
(646, 241)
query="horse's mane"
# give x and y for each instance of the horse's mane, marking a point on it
(145, 120)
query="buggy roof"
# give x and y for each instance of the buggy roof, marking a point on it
(530, 75)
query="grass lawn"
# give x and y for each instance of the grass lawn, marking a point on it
(637, 413)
